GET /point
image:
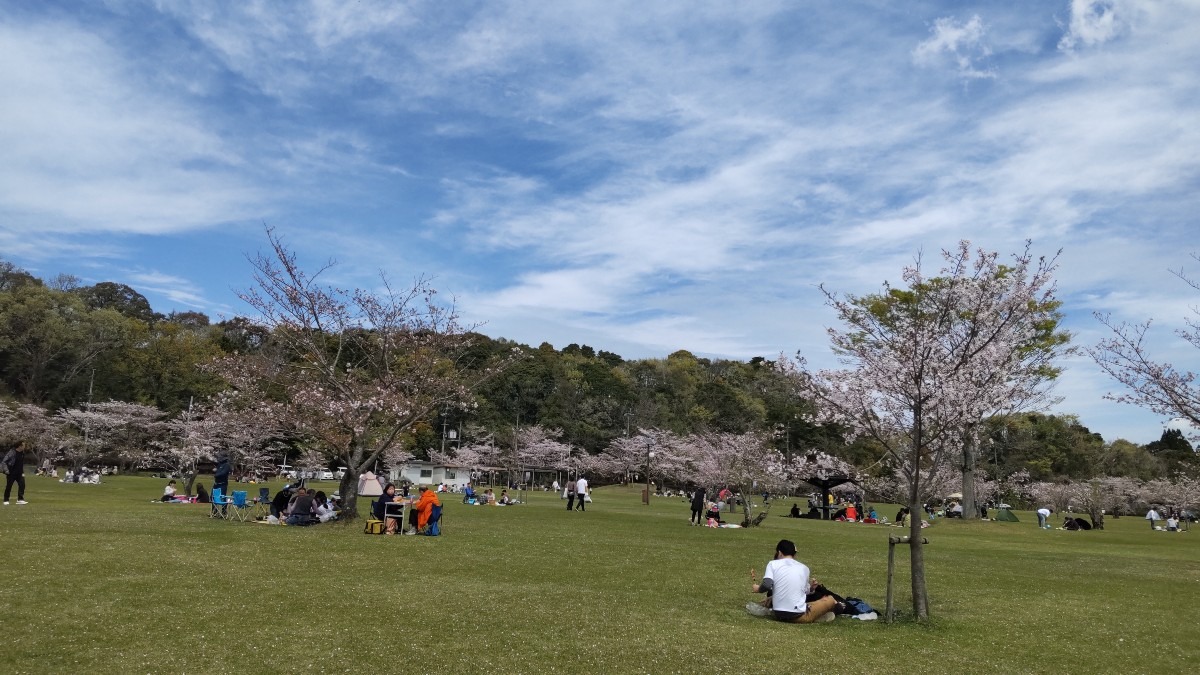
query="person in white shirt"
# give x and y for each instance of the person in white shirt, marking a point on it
(169, 492)
(786, 582)
(1043, 515)
(1172, 523)
(581, 492)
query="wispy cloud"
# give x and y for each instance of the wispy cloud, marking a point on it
(640, 176)
(960, 42)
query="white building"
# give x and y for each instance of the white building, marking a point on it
(428, 473)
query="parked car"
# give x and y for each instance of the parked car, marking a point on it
(325, 475)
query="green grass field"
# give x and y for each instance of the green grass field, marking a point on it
(98, 578)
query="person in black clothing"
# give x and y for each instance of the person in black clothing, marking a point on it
(14, 462)
(280, 503)
(221, 479)
(795, 512)
(301, 510)
(698, 506)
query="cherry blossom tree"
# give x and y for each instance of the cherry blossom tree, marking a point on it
(925, 362)
(352, 370)
(1154, 385)
(42, 432)
(113, 427)
(748, 462)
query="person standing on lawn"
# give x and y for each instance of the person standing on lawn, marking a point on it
(698, 506)
(581, 493)
(14, 468)
(570, 494)
(786, 582)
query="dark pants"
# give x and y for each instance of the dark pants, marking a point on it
(19, 479)
(698, 515)
(570, 500)
(579, 503)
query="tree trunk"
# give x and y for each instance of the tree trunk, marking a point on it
(189, 482)
(916, 516)
(746, 510)
(348, 488)
(970, 507)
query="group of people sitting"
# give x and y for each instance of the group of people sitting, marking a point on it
(487, 497)
(303, 507)
(420, 510)
(84, 475)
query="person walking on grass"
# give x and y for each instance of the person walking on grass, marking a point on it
(14, 468)
(581, 493)
(571, 494)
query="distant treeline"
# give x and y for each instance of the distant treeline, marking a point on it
(62, 342)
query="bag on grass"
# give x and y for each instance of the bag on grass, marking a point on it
(587, 498)
(373, 527)
(860, 605)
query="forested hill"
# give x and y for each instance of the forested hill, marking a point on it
(60, 340)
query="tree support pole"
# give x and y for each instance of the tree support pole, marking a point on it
(888, 612)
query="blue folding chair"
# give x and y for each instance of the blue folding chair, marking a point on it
(220, 504)
(433, 528)
(239, 505)
(263, 504)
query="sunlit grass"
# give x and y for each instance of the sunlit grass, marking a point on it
(101, 579)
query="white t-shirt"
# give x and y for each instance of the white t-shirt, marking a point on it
(581, 486)
(1172, 523)
(1045, 513)
(169, 491)
(790, 579)
(1153, 515)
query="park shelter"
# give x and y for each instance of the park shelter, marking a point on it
(825, 484)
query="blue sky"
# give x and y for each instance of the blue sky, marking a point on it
(641, 177)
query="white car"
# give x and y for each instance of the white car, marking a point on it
(325, 475)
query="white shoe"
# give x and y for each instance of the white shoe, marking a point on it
(826, 617)
(6, 503)
(20, 501)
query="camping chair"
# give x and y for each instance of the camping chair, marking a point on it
(433, 528)
(239, 505)
(263, 506)
(220, 504)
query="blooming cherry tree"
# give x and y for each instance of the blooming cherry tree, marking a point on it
(925, 362)
(1154, 385)
(351, 370)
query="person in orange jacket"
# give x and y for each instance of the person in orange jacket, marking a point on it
(423, 508)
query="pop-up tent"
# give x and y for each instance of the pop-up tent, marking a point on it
(1006, 515)
(369, 485)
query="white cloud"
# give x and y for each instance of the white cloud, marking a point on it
(1095, 22)
(89, 149)
(960, 42)
(176, 289)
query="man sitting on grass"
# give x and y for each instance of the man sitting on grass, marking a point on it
(786, 583)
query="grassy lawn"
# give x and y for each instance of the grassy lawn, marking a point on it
(98, 578)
